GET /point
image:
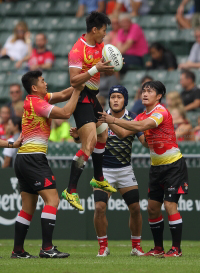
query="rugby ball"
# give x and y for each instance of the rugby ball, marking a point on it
(111, 53)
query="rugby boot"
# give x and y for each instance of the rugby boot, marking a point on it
(137, 251)
(173, 252)
(73, 199)
(53, 253)
(22, 255)
(103, 185)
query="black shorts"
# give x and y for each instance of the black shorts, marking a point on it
(167, 181)
(87, 108)
(33, 173)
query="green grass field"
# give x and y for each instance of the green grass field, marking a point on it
(83, 258)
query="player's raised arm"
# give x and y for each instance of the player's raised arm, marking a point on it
(61, 96)
(77, 78)
(68, 109)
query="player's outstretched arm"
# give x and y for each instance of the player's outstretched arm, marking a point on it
(143, 141)
(121, 132)
(138, 126)
(77, 78)
(68, 109)
(61, 96)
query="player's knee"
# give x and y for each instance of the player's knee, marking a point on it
(131, 197)
(152, 211)
(100, 208)
(134, 209)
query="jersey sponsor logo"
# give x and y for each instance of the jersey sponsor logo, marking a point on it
(157, 115)
(37, 183)
(171, 189)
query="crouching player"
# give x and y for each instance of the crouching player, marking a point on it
(118, 171)
(168, 173)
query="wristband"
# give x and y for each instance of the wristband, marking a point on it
(92, 71)
(10, 143)
(76, 138)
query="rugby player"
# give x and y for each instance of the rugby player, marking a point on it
(118, 170)
(168, 173)
(31, 165)
(85, 65)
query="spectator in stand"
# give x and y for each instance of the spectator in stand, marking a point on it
(60, 131)
(19, 109)
(41, 57)
(15, 96)
(112, 36)
(195, 18)
(161, 58)
(90, 5)
(197, 130)
(194, 57)
(138, 107)
(133, 7)
(173, 100)
(18, 46)
(191, 93)
(131, 42)
(5, 116)
(14, 127)
(182, 127)
(185, 20)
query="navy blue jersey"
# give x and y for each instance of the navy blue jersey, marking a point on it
(118, 151)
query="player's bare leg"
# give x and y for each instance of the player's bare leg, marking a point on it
(156, 223)
(22, 224)
(100, 221)
(135, 220)
(175, 225)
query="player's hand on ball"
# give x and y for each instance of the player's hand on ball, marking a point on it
(106, 118)
(73, 132)
(104, 66)
(18, 142)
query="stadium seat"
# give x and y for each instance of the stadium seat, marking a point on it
(3, 37)
(151, 35)
(186, 35)
(4, 93)
(173, 76)
(168, 21)
(159, 75)
(6, 65)
(8, 23)
(52, 36)
(67, 37)
(2, 78)
(133, 77)
(58, 79)
(13, 78)
(52, 23)
(34, 23)
(73, 23)
(64, 7)
(132, 89)
(7, 9)
(181, 59)
(40, 8)
(21, 8)
(149, 21)
(192, 116)
(173, 87)
(62, 49)
(60, 64)
(168, 35)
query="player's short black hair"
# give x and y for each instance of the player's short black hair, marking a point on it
(29, 79)
(17, 121)
(96, 19)
(189, 74)
(157, 86)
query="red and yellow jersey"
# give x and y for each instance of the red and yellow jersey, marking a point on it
(36, 124)
(85, 56)
(162, 139)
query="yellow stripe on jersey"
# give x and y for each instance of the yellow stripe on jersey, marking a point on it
(157, 117)
(32, 148)
(165, 158)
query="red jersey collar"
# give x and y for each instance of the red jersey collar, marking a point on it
(33, 96)
(82, 38)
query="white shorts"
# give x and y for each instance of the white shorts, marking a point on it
(120, 177)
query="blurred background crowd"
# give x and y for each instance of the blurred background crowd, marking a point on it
(159, 40)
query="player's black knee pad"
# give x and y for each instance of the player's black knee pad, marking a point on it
(172, 197)
(100, 196)
(156, 197)
(131, 197)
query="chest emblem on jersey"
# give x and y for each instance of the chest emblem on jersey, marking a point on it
(75, 50)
